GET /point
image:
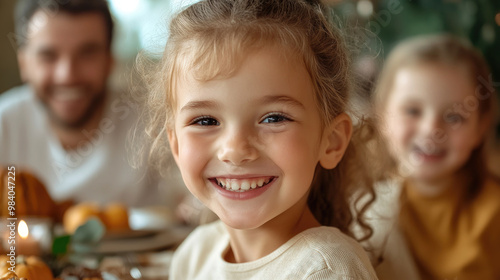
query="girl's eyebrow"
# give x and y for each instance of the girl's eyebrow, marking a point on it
(283, 99)
(412, 101)
(199, 104)
(209, 104)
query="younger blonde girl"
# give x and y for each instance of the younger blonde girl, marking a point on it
(437, 108)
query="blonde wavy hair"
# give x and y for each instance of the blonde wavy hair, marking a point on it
(211, 37)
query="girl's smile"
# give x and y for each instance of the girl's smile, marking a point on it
(242, 189)
(428, 155)
(242, 184)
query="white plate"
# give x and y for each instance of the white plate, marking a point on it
(127, 234)
(156, 241)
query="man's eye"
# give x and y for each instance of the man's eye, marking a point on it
(47, 57)
(275, 118)
(89, 51)
(411, 111)
(205, 121)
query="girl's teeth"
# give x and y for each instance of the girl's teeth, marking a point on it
(242, 185)
(245, 185)
(260, 182)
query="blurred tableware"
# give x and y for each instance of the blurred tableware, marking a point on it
(159, 240)
(151, 218)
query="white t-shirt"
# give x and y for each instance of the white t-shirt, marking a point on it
(389, 251)
(97, 170)
(316, 253)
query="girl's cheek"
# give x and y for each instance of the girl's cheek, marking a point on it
(392, 130)
(305, 149)
(192, 150)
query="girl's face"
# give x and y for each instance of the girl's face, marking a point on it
(432, 120)
(247, 146)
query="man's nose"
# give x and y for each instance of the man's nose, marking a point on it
(66, 72)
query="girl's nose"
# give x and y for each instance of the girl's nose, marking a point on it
(238, 147)
(430, 125)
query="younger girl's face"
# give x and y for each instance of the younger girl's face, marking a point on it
(432, 120)
(247, 146)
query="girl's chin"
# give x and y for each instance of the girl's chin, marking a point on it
(426, 175)
(422, 169)
(241, 222)
(430, 176)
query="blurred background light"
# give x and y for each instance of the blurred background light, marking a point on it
(124, 7)
(364, 8)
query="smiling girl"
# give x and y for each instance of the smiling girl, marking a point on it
(437, 106)
(253, 96)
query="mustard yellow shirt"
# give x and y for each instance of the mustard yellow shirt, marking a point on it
(451, 237)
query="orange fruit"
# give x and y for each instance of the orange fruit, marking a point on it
(79, 214)
(115, 217)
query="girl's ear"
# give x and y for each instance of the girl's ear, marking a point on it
(336, 139)
(174, 146)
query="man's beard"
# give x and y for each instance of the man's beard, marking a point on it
(96, 103)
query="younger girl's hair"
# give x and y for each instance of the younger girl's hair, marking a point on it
(451, 51)
(211, 38)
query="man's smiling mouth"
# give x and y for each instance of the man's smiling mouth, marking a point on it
(241, 185)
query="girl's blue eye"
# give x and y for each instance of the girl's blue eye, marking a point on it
(454, 118)
(275, 118)
(205, 121)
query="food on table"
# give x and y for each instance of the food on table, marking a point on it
(31, 268)
(81, 273)
(10, 276)
(114, 216)
(29, 194)
(78, 214)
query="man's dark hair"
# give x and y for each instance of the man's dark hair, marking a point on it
(25, 9)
